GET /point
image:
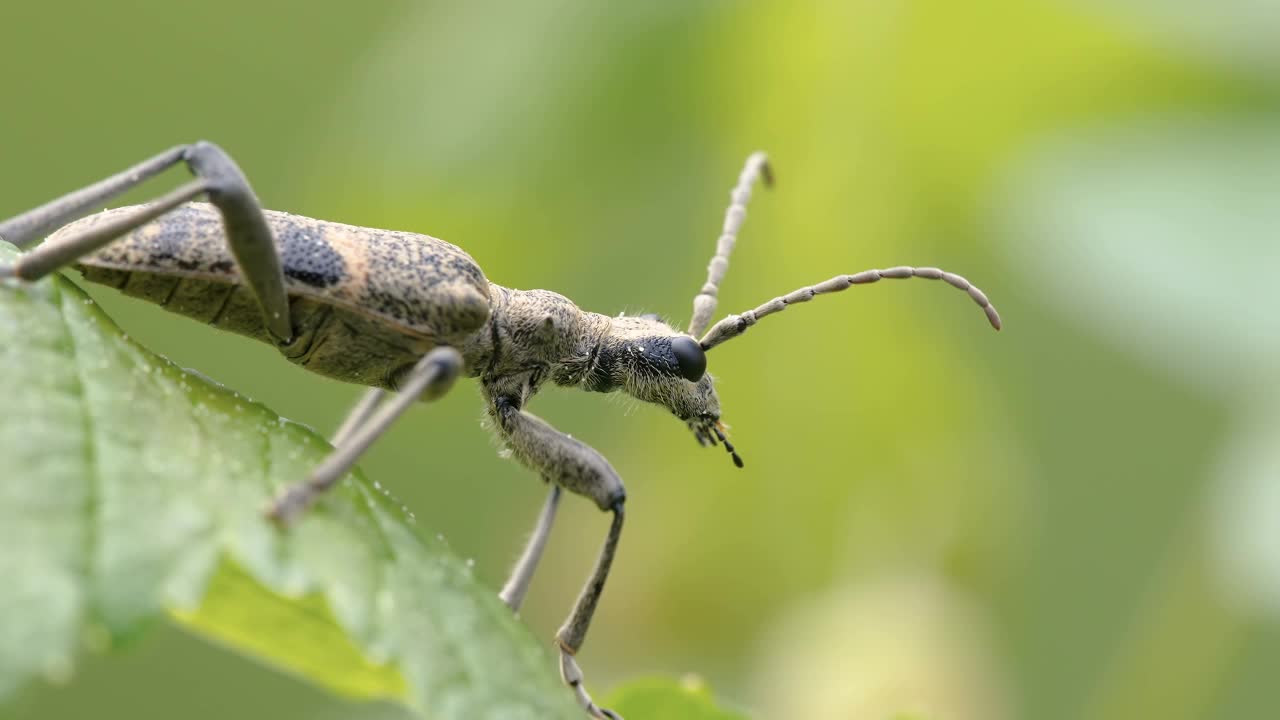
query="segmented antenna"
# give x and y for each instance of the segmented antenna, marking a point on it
(734, 325)
(704, 304)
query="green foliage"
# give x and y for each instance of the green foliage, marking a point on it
(132, 490)
(689, 699)
(1087, 491)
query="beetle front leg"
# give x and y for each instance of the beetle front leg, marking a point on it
(578, 468)
(574, 631)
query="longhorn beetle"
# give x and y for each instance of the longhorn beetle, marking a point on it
(408, 313)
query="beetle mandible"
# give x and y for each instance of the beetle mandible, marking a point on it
(408, 313)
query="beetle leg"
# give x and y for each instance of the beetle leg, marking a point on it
(578, 468)
(517, 586)
(217, 176)
(574, 631)
(430, 378)
(36, 223)
(358, 415)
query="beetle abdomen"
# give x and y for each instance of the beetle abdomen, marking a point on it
(414, 283)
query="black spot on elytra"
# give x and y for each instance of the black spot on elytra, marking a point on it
(308, 258)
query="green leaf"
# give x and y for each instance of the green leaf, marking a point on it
(688, 699)
(132, 491)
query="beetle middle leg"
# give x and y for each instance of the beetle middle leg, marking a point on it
(429, 379)
(369, 402)
(217, 177)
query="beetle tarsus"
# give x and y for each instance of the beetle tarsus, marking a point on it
(572, 675)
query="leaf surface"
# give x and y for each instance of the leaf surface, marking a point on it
(688, 699)
(131, 490)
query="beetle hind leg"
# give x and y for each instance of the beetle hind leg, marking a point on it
(25, 229)
(217, 177)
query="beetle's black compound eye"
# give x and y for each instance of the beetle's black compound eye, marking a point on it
(690, 357)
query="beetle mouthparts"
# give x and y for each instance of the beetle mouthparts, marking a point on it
(711, 432)
(718, 429)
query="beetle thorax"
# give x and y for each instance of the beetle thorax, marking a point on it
(538, 335)
(533, 335)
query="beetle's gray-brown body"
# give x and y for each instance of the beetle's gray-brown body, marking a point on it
(408, 312)
(366, 304)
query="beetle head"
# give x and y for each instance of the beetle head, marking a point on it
(651, 361)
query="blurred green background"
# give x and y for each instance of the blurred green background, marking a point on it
(1076, 518)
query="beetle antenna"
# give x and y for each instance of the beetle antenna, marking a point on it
(734, 325)
(704, 304)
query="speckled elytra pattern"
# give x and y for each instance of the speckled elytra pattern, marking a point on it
(365, 304)
(416, 283)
